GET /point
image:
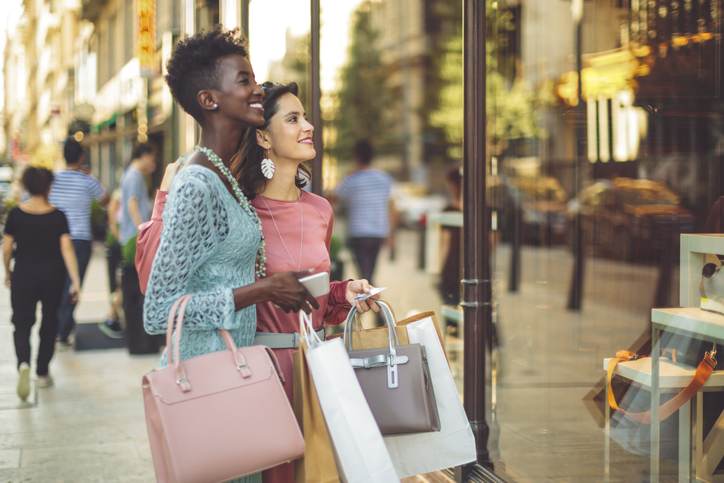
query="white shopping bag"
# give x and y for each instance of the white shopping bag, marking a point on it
(361, 453)
(454, 444)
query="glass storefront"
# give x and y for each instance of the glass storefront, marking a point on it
(589, 186)
(603, 132)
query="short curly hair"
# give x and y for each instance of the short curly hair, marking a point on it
(192, 66)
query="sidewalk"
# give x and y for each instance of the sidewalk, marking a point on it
(90, 426)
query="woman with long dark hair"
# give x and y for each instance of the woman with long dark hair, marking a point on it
(211, 244)
(297, 227)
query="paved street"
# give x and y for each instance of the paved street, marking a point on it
(90, 426)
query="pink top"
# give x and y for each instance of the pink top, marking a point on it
(289, 226)
(297, 235)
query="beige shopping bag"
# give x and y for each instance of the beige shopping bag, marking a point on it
(318, 464)
(378, 337)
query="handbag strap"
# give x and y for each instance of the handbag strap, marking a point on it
(702, 374)
(387, 315)
(391, 360)
(275, 362)
(173, 332)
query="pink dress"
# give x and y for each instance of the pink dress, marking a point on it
(297, 235)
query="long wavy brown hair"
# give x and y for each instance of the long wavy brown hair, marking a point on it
(246, 165)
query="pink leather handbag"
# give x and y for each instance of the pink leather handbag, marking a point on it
(220, 415)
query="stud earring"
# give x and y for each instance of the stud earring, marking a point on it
(267, 167)
(215, 106)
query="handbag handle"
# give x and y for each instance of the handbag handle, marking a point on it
(392, 359)
(387, 316)
(702, 374)
(175, 322)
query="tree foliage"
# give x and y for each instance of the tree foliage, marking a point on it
(510, 103)
(294, 66)
(363, 101)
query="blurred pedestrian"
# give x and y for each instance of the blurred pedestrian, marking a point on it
(135, 209)
(112, 325)
(44, 256)
(450, 243)
(73, 191)
(135, 199)
(370, 211)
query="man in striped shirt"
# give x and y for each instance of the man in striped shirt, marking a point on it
(72, 193)
(366, 195)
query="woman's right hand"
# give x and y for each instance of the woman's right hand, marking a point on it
(285, 290)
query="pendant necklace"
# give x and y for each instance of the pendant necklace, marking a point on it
(281, 238)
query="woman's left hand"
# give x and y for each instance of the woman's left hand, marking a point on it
(357, 287)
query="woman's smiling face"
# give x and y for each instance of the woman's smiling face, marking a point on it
(238, 94)
(289, 132)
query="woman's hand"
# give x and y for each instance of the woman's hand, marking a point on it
(8, 279)
(285, 290)
(75, 292)
(357, 287)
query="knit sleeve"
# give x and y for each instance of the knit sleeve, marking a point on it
(193, 228)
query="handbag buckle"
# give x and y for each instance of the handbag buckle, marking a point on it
(243, 368)
(393, 380)
(183, 383)
(711, 355)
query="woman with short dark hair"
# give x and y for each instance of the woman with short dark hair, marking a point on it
(38, 234)
(211, 244)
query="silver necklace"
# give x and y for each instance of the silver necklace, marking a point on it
(243, 202)
(281, 238)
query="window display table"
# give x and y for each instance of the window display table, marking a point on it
(672, 378)
(699, 324)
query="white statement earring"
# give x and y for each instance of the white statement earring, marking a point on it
(268, 167)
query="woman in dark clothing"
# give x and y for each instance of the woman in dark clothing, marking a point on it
(450, 244)
(39, 235)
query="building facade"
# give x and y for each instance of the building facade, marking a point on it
(39, 80)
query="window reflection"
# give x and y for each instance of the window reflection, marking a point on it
(636, 156)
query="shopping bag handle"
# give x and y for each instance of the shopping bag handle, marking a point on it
(306, 330)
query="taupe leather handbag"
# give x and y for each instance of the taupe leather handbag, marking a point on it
(395, 381)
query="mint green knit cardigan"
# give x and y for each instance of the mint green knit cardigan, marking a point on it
(208, 247)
